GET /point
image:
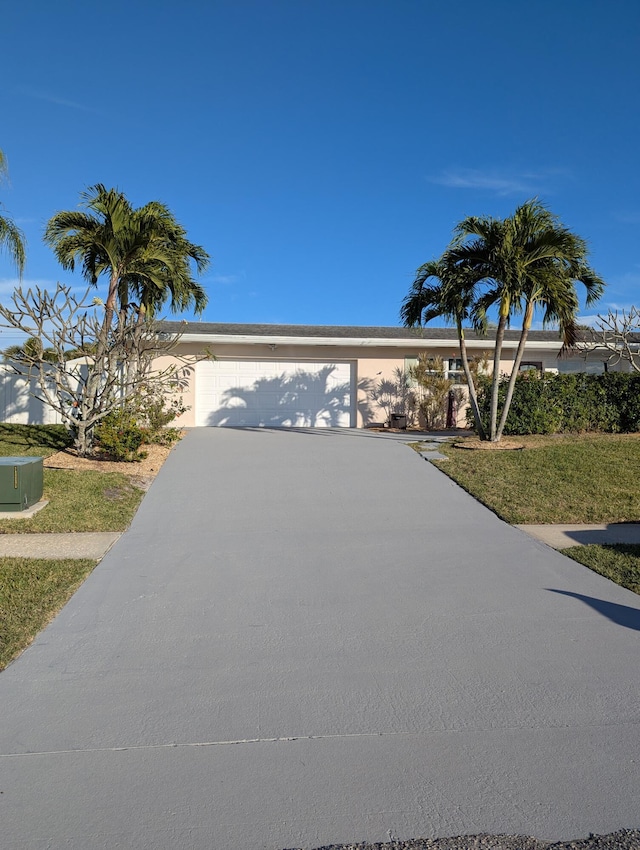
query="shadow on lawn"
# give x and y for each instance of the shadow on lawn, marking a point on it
(27, 437)
(622, 615)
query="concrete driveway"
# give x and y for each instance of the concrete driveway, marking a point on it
(309, 638)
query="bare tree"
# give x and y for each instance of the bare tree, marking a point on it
(618, 333)
(87, 361)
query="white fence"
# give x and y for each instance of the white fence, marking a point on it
(19, 405)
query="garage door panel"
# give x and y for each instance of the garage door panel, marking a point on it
(270, 393)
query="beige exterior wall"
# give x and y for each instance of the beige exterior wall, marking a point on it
(372, 364)
(186, 376)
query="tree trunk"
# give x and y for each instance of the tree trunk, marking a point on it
(81, 442)
(132, 366)
(495, 383)
(109, 310)
(473, 398)
(526, 325)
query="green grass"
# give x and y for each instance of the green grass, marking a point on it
(32, 440)
(568, 479)
(78, 501)
(618, 562)
(31, 592)
(81, 501)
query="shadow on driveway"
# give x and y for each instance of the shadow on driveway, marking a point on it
(622, 615)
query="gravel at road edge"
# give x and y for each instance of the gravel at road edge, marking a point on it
(626, 839)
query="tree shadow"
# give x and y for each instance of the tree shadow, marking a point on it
(622, 615)
(615, 532)
(30, 436)
(300, 399)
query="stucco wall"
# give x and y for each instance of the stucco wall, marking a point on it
(372, 365)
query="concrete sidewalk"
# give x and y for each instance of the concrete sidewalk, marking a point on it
(563, 536)
(308, 639)
(93, 544)
(97, 544)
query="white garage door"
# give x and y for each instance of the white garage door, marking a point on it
(275, 394)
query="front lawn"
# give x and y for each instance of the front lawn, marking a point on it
(616, 561)
(32, 591)
(85, 500)
(81, 501)
(590, 478)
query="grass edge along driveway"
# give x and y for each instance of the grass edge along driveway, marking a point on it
(586, 478)
(32, 591)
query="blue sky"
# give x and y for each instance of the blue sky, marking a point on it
(321, 150)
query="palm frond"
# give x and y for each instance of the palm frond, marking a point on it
(13, 242)
(146, 249)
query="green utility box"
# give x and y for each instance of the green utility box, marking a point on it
(20, 482)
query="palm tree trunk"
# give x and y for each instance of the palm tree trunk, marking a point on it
(132, 373)
(109, 310)
(473, 398)
(526, 326)
(495, 383)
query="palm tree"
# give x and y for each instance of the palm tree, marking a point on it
(528, 260)
(11, 237)
(144, 252)
(146, 256)
(451, 297)
(154, 281)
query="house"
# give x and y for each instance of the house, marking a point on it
(330, 375)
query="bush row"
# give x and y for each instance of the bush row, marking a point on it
(551, 404)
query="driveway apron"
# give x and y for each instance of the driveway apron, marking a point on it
(314, 637)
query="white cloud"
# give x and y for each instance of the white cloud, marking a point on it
(627, 217)
(590, 321)
(603, 310)
(55, 99)
(497, 181)
(225, 279)
(8, 285)
(12, 336)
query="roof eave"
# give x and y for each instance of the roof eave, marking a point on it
(354, 342)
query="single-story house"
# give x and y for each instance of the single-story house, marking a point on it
(331, 375)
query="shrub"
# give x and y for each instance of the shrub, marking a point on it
(623, 393)
(119, 435)
(153, 412)
(551, 404)
(432, 390)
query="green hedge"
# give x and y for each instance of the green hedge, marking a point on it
(552, 404)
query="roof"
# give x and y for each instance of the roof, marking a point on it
(338, 332)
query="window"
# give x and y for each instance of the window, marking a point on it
(409, 363)
(455, 371)
(451, 366)
(572, 365)
(531, 366)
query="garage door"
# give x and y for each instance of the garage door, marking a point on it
(275, 394)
